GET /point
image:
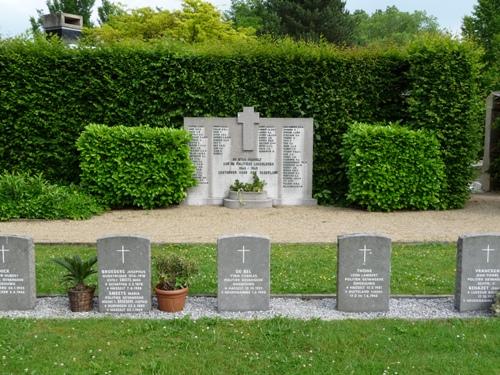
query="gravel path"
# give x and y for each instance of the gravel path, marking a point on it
(295, 308)
(203, 224)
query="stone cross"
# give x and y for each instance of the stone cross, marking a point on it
(243, 251)
(248, 118)
(365, 250)
(3, 253)
(123, 251)
(488, 251)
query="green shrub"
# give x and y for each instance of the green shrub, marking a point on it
(393, 168)
(49, 93)
(23, 196)
(136, 166)
(444, 98)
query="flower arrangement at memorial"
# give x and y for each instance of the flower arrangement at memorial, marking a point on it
(81, 295)
(174, 276)
(255, 186)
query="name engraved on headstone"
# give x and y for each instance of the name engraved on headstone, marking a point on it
(279, 150)
(478, 271)
(17, 273)
(363, 277)
(243, 273)
(124, 274)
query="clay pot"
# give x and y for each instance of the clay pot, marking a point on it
(171, 300)
(81, 300)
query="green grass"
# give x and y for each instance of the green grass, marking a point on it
(311, 268)
(277, 346)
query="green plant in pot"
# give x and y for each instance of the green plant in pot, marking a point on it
(174, 276)
(81, 295)
(253, 190)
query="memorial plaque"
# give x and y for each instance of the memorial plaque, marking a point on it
(363, 273)
(243, 269)
(280, 150)
(478, 271)
(124, 274)
(17, 273)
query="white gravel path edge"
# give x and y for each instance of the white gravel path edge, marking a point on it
(293, 308)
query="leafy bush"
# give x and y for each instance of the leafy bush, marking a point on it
(444, 98)
(392, 168)
(136, 167)
(256, 186)
(23, 196)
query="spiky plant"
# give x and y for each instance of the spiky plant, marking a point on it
(78, 271)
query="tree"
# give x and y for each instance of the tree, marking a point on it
(80, 7)
(483, 27)
(391, 26)
(198, 21)
(309, 20)
(109, 9)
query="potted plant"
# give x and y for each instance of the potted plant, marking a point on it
(81, 295)
(174, 275)
(250, 194)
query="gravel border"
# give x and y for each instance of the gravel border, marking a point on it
(294, 308)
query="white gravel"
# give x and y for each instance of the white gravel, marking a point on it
(295, 308)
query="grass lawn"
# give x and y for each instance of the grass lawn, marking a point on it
(416, 268)
(277, 346)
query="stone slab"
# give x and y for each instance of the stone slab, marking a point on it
(124, 274)
(478, 271)
(243, 272)
(280, 150)
(17, 273)
(363, 273)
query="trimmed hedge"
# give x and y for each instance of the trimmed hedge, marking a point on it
(48, 94)
(445, 98)
(136, 167)
(393, 168)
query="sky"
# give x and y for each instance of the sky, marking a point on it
(14, 14)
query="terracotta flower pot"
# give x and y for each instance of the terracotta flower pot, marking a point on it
(81, 300)
(171, 300)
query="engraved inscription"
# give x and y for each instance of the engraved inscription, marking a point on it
(124, 290)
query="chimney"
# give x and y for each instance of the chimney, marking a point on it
(67, 26)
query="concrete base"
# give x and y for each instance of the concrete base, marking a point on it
(243, 199)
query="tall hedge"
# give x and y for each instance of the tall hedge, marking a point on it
(444, 97)
(49, 93)
(135, 166)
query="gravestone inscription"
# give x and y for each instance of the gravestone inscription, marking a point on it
(363, 273)
(478, 271)
(279, 150)
(17, 273)
(243, 270)
(124, 274)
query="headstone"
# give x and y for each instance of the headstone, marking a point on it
(363, 273)
(124, 274)
(243, 269)
(17, 273)
(280, 150)
(478, 271)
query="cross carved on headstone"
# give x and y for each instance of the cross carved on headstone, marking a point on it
(248, 118)
(3, 250)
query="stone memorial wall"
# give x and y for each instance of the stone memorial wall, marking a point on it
(280, 150)
(363, 273)
(17, 273)
(124, 274)
(478, 271)
(243, 270)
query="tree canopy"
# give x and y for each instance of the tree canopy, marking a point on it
(391, 25)
(198, 21)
